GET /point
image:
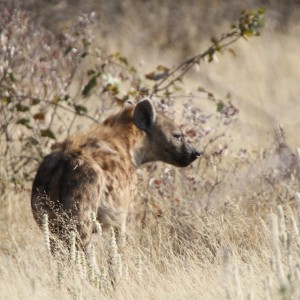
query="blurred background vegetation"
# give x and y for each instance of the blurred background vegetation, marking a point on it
(179, 27)
(262, 78)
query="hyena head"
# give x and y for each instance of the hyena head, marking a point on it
(165, 139)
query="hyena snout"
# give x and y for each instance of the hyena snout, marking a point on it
(195, 154)
(188, 155)
(181, 156)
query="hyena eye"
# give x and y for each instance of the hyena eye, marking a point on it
(178, 136)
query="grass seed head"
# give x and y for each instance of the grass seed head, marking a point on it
(46, 234)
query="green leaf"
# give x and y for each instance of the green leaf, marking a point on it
(133, 70)
(56, 99)
(111, 88)
(220, 106)
(66, 98)
(89, 86)
(167, 93)
(133, 92)
(81, 109)
(35, 101)
(218, 47)
(201, 89)
(210, 56)
(123, 60)
(32, 141)
(84, 54)
(47, 133)
(6, 100)
(25, 122)
(91, 72)
(211, 96)
(85, 42)
(15, 180)
(22, 108)
(177, 88)
(12, 77)
(116, 55)
(68, 50)
(248, 33)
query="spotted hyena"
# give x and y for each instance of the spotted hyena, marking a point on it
(96, 171)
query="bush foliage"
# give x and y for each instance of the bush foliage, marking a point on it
(52, 83)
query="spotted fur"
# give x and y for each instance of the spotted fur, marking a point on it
(96, 171)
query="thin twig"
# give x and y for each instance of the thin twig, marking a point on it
(186, 65)
(55, 104)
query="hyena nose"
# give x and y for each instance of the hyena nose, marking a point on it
(195, 154)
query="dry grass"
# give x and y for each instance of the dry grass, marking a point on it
(225, 228)
(236, 253)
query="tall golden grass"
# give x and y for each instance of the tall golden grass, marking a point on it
(233, 253)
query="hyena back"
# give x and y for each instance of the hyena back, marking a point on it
(95, 172)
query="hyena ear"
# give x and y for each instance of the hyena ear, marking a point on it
(144, 115)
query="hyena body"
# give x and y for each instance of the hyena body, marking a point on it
(95, 172)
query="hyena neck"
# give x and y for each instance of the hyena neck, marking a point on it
(139, 150)
(126, 136)
(135, 142)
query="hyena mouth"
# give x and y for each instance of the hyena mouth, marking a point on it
(185, 158)
(195, 154)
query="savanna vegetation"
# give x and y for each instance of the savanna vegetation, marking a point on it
(226, 227)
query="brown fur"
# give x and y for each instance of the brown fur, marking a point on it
(96, 171)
